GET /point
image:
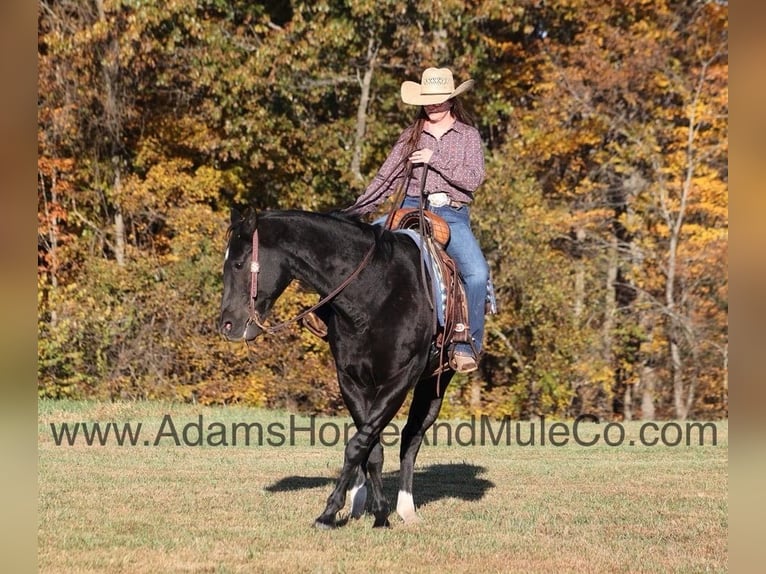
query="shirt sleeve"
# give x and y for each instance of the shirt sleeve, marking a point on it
(383, 184)
(461, 162)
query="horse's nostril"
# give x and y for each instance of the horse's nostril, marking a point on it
(227, 326)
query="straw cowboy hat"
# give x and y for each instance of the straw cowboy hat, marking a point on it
(436, 86)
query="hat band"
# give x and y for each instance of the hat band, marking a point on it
(436, 86)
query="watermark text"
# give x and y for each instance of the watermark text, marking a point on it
(585, 431)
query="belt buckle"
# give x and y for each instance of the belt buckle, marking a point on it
(438, 199)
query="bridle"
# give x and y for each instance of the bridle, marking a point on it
(255, 268)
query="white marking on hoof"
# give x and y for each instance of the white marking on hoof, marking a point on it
(405, 508)
(358, 500)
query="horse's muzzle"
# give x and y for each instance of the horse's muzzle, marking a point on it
(246, 332)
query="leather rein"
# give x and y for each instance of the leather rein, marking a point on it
(255, 268)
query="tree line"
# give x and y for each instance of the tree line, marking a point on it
(604, 216)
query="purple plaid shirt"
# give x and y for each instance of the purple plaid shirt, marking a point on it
(456, 167)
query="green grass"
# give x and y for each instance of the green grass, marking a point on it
(170, 508)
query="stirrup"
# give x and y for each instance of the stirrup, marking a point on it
(462, 363)
(315, 325)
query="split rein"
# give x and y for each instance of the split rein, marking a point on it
(255, 268)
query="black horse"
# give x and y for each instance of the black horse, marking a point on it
(380, 331)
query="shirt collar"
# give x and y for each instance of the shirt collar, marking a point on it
(458, 126)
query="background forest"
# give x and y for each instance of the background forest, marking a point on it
(604, 215)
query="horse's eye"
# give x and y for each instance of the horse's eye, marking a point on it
(238, 266)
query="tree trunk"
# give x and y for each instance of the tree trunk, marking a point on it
(52, 239)
(675, 223)
(608, 325)
(361, 112)
(113, 125)
(678, 383)
(610, 300)
(676, 362)
(647, 377)
(579, 280)
(119, 223)
(627, 401)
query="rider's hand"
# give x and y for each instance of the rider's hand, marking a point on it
(421, 155)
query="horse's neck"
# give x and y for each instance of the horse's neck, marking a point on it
(321, 251)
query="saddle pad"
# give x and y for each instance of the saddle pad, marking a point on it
(437, 281)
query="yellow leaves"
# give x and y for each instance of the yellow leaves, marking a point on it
(206, 181)
(197, 231)
(500, 45)
(171, 182)
(711, 200)
(97, 32)
(595, 221)
(148, 152)
(594, 372)
(661, 80)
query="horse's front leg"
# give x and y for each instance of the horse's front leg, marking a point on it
(358, 404)
(425, 407)
(356, 451)
(358, 493)
(365, 446)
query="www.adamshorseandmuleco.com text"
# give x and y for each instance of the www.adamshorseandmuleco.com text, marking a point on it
(584, 431)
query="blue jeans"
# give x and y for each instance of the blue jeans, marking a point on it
(466, 252)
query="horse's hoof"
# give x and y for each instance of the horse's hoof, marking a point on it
(381, 523)
(410, 518)
(320, 524)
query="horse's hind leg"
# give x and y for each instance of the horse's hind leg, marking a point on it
(426, 403)
(379, 502)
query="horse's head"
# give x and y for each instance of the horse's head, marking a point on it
(242, 310)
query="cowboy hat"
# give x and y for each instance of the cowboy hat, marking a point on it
(436, 86)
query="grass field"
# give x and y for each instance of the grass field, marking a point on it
(485, 508)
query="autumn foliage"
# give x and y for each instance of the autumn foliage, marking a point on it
(604, 215)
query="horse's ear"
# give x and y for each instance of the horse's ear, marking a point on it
(236, 215)
(249, 220)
